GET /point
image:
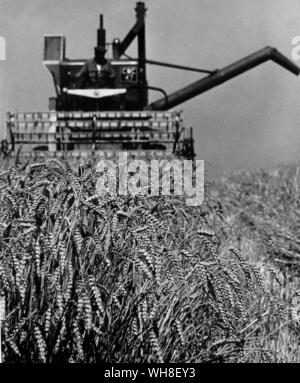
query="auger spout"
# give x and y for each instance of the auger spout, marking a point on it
(220, 76)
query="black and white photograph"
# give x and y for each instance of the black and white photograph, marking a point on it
(149, 184)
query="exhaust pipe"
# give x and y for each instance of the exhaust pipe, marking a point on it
(101, 33)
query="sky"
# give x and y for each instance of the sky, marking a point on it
(251, 121)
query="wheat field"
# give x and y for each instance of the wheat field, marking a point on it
(91, 277)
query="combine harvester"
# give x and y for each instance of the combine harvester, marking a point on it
(104, 120)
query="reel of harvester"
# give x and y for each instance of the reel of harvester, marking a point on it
(77, 134)
(104, 118)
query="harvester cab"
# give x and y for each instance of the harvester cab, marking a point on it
(105, 117)
(127, 92)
